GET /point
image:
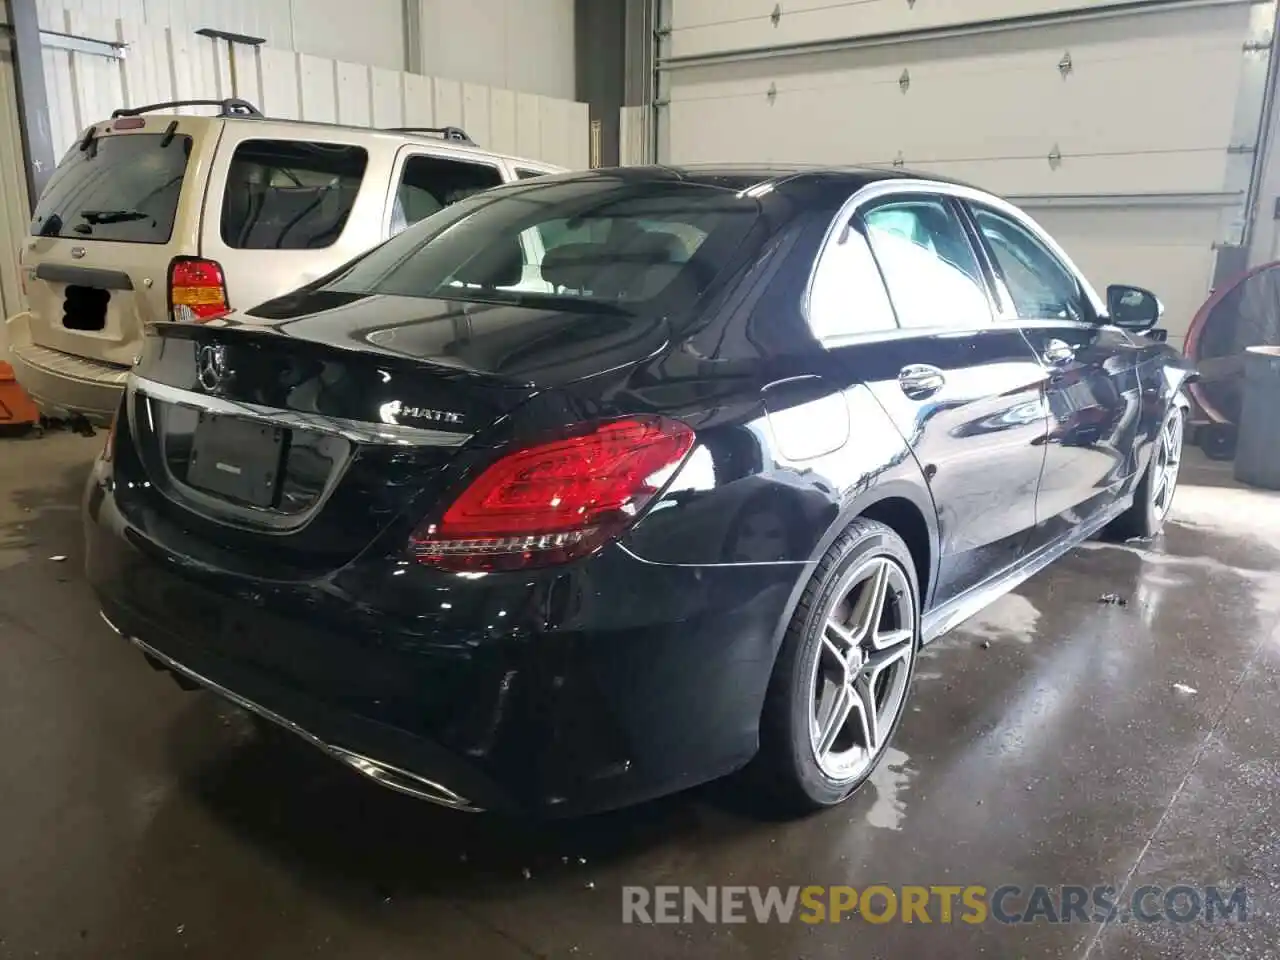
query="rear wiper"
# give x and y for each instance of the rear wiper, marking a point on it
(113, 216)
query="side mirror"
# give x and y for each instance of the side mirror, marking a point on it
(1133, 308)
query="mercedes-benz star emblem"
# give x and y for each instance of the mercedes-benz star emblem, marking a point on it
(211, 366)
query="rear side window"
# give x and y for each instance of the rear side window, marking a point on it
(123, 188)
(523, 173)
(290, 194)
(847, 295)
(429, 184)
(928, 264)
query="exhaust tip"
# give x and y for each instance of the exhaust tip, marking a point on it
(402, 781)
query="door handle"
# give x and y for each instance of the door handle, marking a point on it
(920, 380)
(1057, 352)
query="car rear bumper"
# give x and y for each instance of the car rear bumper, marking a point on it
(553, 693)
(62, 384)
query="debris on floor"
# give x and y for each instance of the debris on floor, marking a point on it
(1113, 600)
(58, 558)
(1183, 688)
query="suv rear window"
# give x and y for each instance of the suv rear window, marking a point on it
(120, 187)
(290, 194)
(587, 243)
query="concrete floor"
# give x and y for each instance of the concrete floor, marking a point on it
(1049, 742)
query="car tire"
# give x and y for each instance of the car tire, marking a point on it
(831, 655)
(1153, 496)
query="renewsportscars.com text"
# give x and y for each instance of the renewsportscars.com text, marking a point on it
(941, 903)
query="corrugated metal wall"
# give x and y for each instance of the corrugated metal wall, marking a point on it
(522, 45)
(1128, 135)
(164, 64)
(517, 44)
(13, 192)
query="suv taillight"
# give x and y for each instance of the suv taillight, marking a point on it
(197, 290)
(558, 500)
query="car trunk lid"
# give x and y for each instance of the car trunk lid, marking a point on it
(286, 448)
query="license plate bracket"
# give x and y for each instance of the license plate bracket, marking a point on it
(236, 458)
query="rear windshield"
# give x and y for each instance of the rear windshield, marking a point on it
(587, 242)
(290, 194)
(123, 188)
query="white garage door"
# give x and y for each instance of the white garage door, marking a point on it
(1128, 133)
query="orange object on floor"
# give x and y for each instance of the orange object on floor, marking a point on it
(16, 407)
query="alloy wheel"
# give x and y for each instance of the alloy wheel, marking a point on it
(862, 669)
(1164, 479)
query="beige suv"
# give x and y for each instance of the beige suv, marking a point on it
(155, 216)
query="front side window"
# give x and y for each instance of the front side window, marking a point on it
(928, 264)
(1039, 286)
(290, 194)
(120, 187)
(429, 184)
(601, 243)
(847, 295)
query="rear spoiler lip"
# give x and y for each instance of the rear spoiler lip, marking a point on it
(268, 332)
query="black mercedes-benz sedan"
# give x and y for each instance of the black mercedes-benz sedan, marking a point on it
(598, 486)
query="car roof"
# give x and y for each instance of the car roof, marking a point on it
(840, 181)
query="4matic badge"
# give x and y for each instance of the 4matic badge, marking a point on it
(396, 412)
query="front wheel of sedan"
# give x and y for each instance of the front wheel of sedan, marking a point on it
(1153, 497)
(839, 688)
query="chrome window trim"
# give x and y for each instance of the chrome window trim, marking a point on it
(880, 190)
(357, 431)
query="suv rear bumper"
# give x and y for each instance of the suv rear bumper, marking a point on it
(62, 384)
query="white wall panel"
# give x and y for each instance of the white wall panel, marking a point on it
(363, 31)
(528, 125)
(1161, 248)
(147, 77)
(419, 101)
(578, 155)
(164, 64)
(1161, 87)
(281, 96)
(1153, 103)
(316, 83)
(448, 103)
(387, 97)
(522, 45)
(502, 121)
(708, 26)
(476, 112)
(353, 94)
(553, 129)
(13, 194)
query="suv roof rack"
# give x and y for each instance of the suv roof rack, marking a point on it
(231, 107)
(446, 133)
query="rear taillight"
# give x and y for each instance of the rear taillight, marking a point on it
(556, 501)
(197, 290)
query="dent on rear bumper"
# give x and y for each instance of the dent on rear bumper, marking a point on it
(558, 692)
